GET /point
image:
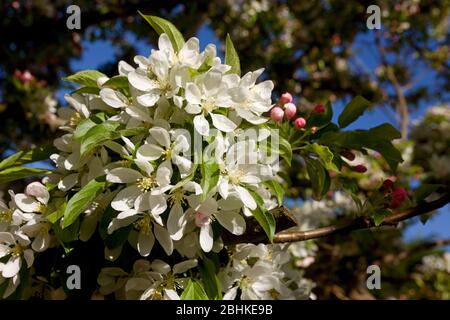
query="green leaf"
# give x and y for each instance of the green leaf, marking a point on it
(353, 111)
(285, 150)
(87, 78)
(90, 90)
(194, 291)
(276, 188)
(263, 216)
(210, 280)
(117, 82)
(231, 57)
(379, 215)
(422, 192)
(82, 128)
(82, 199)
(66, 235)
(325, 155)
(23, 157)
(390, 153)
(210, 177)
(57, 214)
(384, 131)
(17, 173)
(98, 134)
(163, 26)
(320, 180)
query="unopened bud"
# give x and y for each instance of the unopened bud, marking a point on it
(277, 114)
(286, 98)
(319, 108)
(299, 123)
(359, 168)
(289, 110)
(348, 155)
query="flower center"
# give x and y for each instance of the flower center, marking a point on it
(177, 197)
(6, 216)
(146, 184)
(235, 176)
(75, 119)
(143, 224)
(167, 154)
(201, 219)
(16, 251)
(208, 105)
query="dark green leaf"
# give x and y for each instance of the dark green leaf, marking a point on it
(379, 215)
(320, 180)
(23, 157)
(210, 177)
(353, 111)
(264, 217)
(210, 280)
(422, 192)
(231, 57)
(276, 188)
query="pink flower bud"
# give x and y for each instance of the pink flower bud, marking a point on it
(285, 98)
(277, 114)
(299, 123)
(398, 196)
(27, 76)
(319, 108)
(388, 184)
(359, 168)
(289, 110)
(201, 219)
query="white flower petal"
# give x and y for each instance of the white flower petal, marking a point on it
(145, 243)
(222, 123)
(232, 221)
(149, 99)
(161, 136)
(158, 204)
(246, 197)
(185, 266)
(206, 237)
(123, 175)
(163, 238)
(149, 152)
(12, 267)
(176, 222)
(201, 125)
(141, 81)
(193, 94)
(26, 203)
(125, 199)
(113, 98)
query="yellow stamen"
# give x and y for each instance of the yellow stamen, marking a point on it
(146, 184)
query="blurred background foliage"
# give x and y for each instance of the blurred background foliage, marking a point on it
(317, 50)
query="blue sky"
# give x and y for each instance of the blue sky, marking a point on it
(100, 52)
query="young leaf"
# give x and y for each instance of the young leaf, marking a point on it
(285, 150)
(325, 155)
(264, 217)
(98, 134)
(117, 82)
(82, 199)
(276, 188)
(210, 177)
(17, 173)
(231, 57)
(353, 111)
(87, 78)
(194, 291)
(33, 155)
(163, 26)
(320, 179)
(379, 215)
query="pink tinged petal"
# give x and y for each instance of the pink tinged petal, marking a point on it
(149, 152)
(113, 98)
(12, 267)
(163, 238)
(39, 191)
(149, 99)
(161, 136)
(176, 222)
(246, 197)
(201, 125)
(145, 243)
(222, 123)
(26, 203)
(124, 200)
(192, 108)
(193, 94)
(158, 204)
(232, 221)
(123, 175)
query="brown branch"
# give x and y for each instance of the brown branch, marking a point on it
(255, 234)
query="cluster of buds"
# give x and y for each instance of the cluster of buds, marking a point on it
(285, 109)
(397, 195)
(24, 76)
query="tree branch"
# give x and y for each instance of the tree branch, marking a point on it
(255, 234)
